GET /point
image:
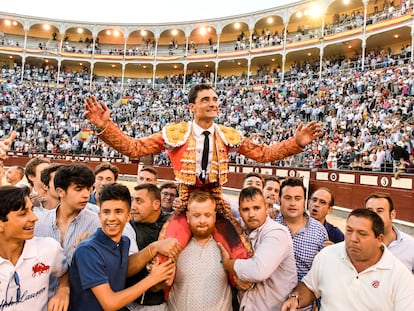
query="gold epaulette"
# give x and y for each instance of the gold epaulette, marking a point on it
(176, 134)
(230, 136)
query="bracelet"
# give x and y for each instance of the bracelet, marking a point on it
(292, 295)
(150, 252)
(103, 131)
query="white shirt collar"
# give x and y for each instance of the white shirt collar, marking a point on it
(198, 130)
(399, 238)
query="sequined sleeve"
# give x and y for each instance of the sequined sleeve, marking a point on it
(132, 147)
(269, 153)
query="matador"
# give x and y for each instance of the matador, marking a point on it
(184, 143)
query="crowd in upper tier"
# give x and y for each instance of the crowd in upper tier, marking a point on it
(367, 116)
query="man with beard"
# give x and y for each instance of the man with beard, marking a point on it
(201, 282)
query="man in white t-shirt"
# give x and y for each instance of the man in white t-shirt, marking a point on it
(358, 274)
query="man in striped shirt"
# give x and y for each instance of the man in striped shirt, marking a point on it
(70, 221)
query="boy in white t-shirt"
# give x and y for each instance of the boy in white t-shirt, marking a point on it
(27, 262)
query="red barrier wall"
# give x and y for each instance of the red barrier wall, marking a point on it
(349, 188)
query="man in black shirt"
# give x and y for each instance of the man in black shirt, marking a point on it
(147, 221)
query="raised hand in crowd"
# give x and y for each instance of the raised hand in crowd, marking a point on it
(306, 134)
(5, 145)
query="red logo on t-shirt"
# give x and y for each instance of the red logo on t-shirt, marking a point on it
(375, 284)
(39, 269)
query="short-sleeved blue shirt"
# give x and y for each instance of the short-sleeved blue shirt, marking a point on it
(92, 198)
(97, 260)
(334, 233)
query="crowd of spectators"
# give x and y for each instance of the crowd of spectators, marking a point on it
(339, 23)
(259, 38)
(366, 115)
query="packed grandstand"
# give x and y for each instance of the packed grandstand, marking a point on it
(350, 68)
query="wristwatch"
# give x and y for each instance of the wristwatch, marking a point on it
(292, 295)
